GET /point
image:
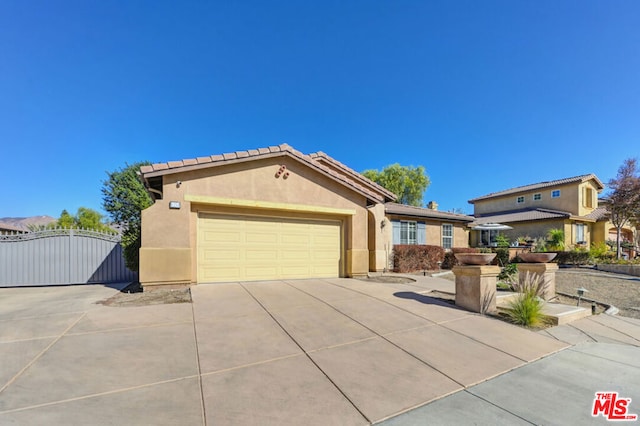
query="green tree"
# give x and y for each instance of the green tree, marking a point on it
(85, 218)
(90, 219)
(66, 220)
(123, 198)
(624, 199)
(407, 182)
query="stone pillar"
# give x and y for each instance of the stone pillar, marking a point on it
(548, 273)
(476, 287)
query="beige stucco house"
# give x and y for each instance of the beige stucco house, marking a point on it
(269, 213)
(570, 204)
(276, 213)
(419, 225)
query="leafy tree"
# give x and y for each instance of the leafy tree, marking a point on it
(124, 197)
(85, 218)
(407, 182)
(624, 198)
(66, 220)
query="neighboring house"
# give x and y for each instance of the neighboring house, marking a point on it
(418, 225)
(10, 229)
(270, 213)
(569, 204)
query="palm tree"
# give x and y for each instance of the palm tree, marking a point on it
(556, 239)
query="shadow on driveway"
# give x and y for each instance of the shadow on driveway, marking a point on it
(423, 299)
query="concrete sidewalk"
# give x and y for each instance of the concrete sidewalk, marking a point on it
(333, 351)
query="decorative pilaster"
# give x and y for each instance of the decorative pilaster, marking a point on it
(476, 287)
(548, 273)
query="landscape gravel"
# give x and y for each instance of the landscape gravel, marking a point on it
(621, 291)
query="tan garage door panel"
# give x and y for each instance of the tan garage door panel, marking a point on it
(233, 248)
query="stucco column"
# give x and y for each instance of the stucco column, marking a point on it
(546, 270)
(357, 245)
(379, 238)
(165, 255)
(476, 287)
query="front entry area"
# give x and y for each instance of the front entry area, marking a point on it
(250, 248)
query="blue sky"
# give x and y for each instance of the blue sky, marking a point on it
(486, 95)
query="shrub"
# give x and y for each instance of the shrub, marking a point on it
(526, 309)
(573, 257)
(450, 259)
(508, 273)
(502, 241)
(539, 245)
(556, 239)
(411, 258)
(599, 250)
(502, 256)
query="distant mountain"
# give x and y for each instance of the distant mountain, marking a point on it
(23, 223)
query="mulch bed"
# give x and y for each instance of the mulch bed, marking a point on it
(134, 296)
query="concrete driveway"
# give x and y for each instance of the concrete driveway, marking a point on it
(335, 351)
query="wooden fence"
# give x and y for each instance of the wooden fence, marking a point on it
(60, 257)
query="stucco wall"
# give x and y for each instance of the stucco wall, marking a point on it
(621, 269)
(434, 230)
(253, 181)
(571, 200)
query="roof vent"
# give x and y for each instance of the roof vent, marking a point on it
(432, 205)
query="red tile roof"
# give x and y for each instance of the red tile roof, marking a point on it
(541, 185)
(345, 176)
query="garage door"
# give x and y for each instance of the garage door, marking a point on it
(235, 248)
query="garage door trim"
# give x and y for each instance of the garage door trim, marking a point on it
(268, 205)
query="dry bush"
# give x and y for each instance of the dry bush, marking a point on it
(411, 258)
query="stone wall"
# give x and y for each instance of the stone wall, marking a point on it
(620, 269)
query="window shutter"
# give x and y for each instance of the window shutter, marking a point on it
(422, 233)
(396, 231)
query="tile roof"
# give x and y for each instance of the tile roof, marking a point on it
(600, 213)
(403, 209)
(321, 156)
(541, 185)
(347, 177)
(521, 216)
(12, 228)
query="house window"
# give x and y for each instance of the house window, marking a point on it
(408, 232)
(447, 236)
(580, 233)
(588, 197)
(555, 193)
(520, 199)
(537, 197)
(489, 238)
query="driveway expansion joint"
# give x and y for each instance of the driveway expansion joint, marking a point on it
(37, 357)
(335, 385)
(383, 337)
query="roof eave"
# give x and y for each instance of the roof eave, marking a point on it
(285, 152)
